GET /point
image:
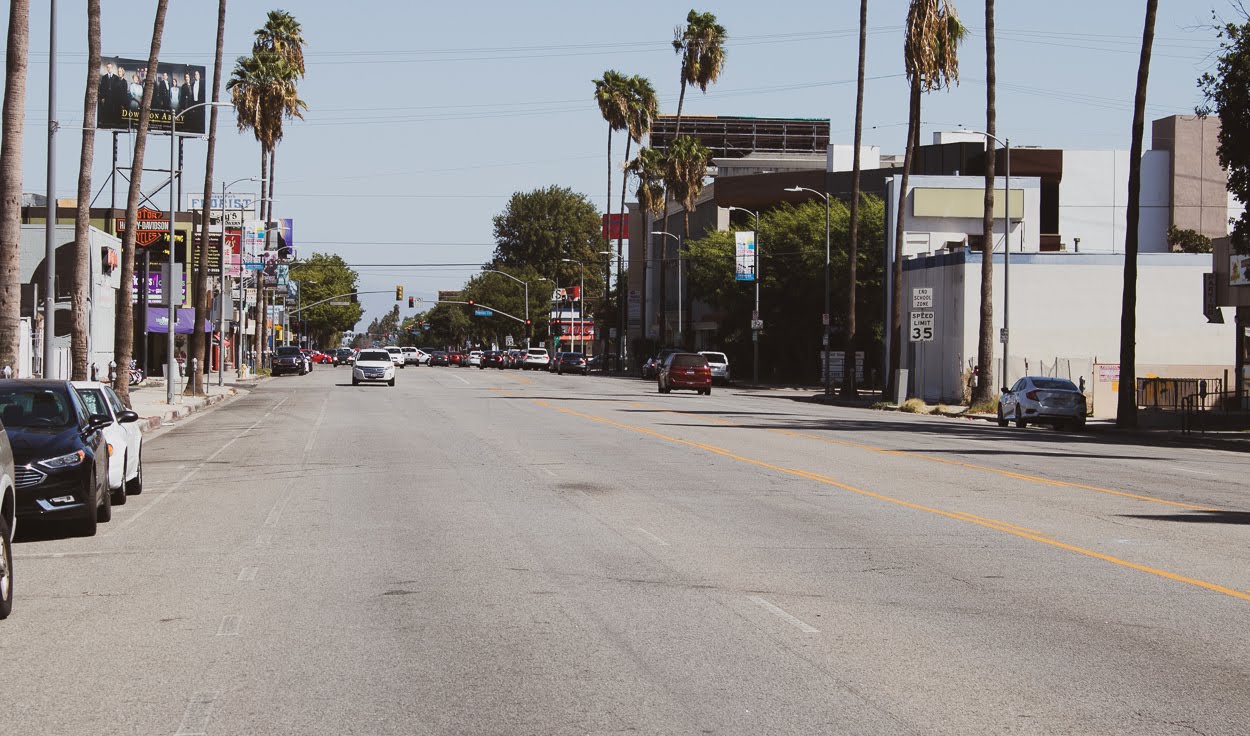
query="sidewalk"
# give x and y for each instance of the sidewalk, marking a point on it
(148, 400)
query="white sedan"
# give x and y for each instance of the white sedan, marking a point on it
(125, 439)
(373, 364)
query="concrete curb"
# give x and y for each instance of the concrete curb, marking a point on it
(173, 414)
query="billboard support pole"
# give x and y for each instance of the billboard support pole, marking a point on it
(170, 360)
(49, 254)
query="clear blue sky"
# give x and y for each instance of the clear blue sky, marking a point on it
(425, 117)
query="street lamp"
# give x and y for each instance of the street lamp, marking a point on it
(170, 360)
(1005, 335)
(663, 297)
(755, 334)
(527, 298)
(221, 302)
(827, 318)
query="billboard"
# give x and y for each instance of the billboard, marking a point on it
(744, 262)
(178, 87)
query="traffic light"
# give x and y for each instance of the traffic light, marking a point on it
(399, 293)
(470, 302)
(355, 297)
(529, 328)
(411, 302)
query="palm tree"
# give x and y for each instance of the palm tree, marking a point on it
(263, 90)
(648, 168)
(848, 372)
(931, 61)
(195, 379)
(282, 35)
(701, 45)
(984, 389)
(686, 166)
(1126, 411)
(124, 329)
(643, 108)
(18, 40)
(82, 218)
(612, 94)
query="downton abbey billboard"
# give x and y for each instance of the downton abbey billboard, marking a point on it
(178, 88)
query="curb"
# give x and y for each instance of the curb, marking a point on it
(155, 422)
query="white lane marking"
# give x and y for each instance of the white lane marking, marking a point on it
(781, 614)
(1191, 470)
(195, 717)
(275, 513)
(458, 378)
(158, 497)
(549, 471)
(248, 574)
(58, 555)
(316, 426)
(651, 536)
(229, 625)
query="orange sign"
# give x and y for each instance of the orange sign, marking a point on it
(151, 226)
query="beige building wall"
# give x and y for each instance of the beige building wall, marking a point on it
(1199, 185)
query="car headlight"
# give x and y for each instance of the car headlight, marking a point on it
(64, 461)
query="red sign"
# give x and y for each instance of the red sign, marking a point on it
(615, 227)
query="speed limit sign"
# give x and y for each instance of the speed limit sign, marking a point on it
(922, 326)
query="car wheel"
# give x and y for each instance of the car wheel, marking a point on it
(1002, 420)
(118, 497)
(355, 382)
(6, 570)
(391, 382)
(104, 512)
(135, 487)
(1077, 424)
(707, 391)
(1020, 423)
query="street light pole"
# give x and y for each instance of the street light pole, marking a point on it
(581, 304)
(527, 299)
(1006, 333)
(221, 275)
(663, 300)
(826, 318)
(755, 334)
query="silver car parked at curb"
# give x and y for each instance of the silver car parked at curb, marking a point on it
(1043, 400)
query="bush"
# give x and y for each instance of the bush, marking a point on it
(984, 407)
(914, 406)
(881, 406)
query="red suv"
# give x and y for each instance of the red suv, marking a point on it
(689, 371)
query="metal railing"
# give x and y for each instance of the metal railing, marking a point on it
(1174, 394)
(1214, 410)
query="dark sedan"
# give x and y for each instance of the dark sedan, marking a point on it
(571, 363)
(60, 456)
(491, 359)
(439, 357)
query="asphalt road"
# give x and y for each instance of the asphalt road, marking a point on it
(504, 552)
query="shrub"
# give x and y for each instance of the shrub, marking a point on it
(914, 406)
(984, 407)
(881, 405)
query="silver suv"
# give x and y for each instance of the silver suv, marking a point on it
(719, 363)
(536, 359)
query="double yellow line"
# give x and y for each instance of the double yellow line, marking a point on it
(987, 523)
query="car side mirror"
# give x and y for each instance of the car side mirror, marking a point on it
(99, 421)
(127, 416)
(1006, 390)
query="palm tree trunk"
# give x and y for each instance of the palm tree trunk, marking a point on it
(620, 263)
(81, 291)
(1126, 411)
(261, 310)
(896, 318)
(984, 388)
(848, 364)
(124, 325)
(195, 382)
(11, 183)
(607, 236)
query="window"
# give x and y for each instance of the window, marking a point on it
(94, 399)
(717, 358)
(34, 407)
(1058, 384)
(685, 360)
(114, 400)
(287, 351)
(380, 356)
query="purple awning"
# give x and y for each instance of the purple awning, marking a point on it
(158, 321)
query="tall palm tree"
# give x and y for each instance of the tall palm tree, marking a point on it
(931, 61)
(701, 45)
(643, 108)
(18, 41)
(124, 324)
(1126, 411)
(80, 292)
(195, 379)
(984, 389)
(848, 372)
(282, 35)
(612, 94)
(648, 168)
(686, 168)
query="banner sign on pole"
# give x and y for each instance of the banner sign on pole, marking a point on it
(744, 267)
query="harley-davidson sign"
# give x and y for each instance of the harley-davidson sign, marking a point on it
(150, 227)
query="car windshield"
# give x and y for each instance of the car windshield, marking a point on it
(94, 399)
(35, 407)
(287, 351)
(1058, 384)
(380, 356)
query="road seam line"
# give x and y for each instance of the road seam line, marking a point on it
(782, 614)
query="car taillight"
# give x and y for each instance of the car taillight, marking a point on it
(1033, 396)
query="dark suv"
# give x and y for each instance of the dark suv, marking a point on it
(344, 356)
(289, 359)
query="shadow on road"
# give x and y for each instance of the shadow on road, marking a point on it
(1201, 517)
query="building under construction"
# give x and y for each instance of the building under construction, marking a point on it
(737, 137)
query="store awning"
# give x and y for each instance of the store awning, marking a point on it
(158, 321)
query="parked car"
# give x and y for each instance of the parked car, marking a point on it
(288, 359)
(1043, 400)
(651, 367)
(438, 357)
(397, 355)
(344, 356)
(8, 524)
(412, 356)
(125, 439)
(514, 358)
(491, 359)
(688, 371)
(475, 358)
(309, 358)
(374, 364)
(571, 363)
(455, 357)
(327, 357)
(60, 455)
(535, 359)
(719, 363)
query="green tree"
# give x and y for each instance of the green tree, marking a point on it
(326, 276)
(124, 319)
(539, 229)
(1126, 409)
(701, 45)
(648, 168)
(643, 109)
(1188, 241)
(81, 290)
(195, 379)
(18, 41)
(685, 168)
(930, 61)
(1227, 93)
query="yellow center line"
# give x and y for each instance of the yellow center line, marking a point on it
(520, 379)
(998, 526)
(502, 390)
